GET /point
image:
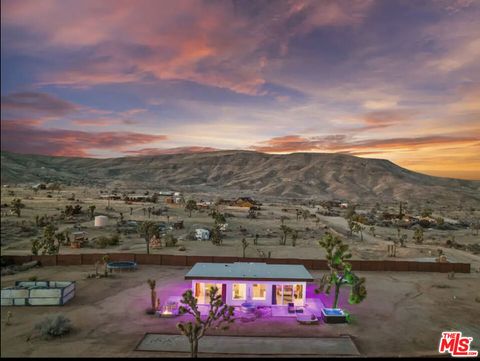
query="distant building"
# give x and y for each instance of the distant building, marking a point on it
(202, 234)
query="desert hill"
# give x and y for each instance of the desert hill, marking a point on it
(297, 175)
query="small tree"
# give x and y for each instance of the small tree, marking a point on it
(17, 206)
(245, 244)
(285, 230)
(216, 235)
(147, 230)
(49, 243)
(153, 294)
(351, 225)
(418, 235)
(91, 211)
(305, 214)
(105, 260)
(219, 316)
(372, 230)
(294, 237)
(337, 254)
(191, 206)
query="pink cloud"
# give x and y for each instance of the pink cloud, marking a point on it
(212, 43)
(22, 138)
(27, 105)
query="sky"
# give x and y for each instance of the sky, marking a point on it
(398, 80)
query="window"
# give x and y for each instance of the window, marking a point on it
(198, 290)
(208, 287)
(239, 291)
(259, 292)
(299, 292)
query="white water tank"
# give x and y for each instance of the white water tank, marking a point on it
(101, 221)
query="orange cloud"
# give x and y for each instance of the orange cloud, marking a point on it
(176, 150)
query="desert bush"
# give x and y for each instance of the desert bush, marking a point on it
(170, 240)
(104, 241)
(54, 326)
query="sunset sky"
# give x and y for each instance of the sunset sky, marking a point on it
(382, 79)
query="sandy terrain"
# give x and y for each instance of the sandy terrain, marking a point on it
(403, 315)
(267, 226)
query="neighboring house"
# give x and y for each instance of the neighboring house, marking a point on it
(39, 186)
(202, 234)
(111, 196)
(257, 283)
(245, 202)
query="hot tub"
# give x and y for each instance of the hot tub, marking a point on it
(334, 315)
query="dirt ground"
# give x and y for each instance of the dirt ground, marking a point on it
(17, 232)
(403, 315)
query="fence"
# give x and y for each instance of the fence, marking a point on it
(185, 261)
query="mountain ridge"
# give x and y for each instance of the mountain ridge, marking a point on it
(295, 175)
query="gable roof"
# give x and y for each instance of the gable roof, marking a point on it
(249, 271)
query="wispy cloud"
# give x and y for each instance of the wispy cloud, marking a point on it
(21, 138)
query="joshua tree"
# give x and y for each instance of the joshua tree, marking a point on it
(418, 235)
(191, 206)
(147, 230)
(337, 254)
(403, 240)
(400, 211)
(218, 217)
(17, 206)
(49, 243)
(294, 237)
(285, 230)
(91, 211)
(255, 239)
(358, 228)
(305, 214)
(245, 244)
(105, 260)
(351, 225)
(298, 213)
(283, 219)
(217, 236)
(153, 294)
(372, 230)
(219, 316)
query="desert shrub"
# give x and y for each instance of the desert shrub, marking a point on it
(54, 326)
(170, 240)
(104, 241)
(33, 278)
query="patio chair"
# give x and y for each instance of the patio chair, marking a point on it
(291, 307)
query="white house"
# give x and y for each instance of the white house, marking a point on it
(257, 283)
